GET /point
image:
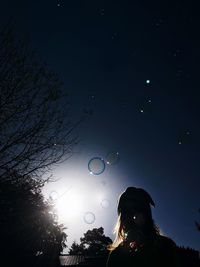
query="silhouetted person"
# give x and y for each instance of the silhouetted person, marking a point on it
(138, 241)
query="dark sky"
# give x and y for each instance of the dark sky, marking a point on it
(106, 52)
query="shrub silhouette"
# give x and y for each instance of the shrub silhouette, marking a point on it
(94, 242)
(29, 233)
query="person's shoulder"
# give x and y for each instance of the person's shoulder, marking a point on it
(117, 250)
(164, 241)
(115, 257)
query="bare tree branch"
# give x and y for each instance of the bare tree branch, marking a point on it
(35, 128)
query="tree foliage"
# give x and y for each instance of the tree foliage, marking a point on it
(35, 129)
(77, 249)
(28, 229)
(94, 242)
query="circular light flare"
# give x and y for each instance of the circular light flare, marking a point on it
(96, 166)
(105, 203)
(89, 217)
(112, 158)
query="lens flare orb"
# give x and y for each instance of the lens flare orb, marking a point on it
(112, 158)
(103, 183)
(96, 166)
(105, 203)
(89, 217)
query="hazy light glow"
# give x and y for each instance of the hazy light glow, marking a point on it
(84, 201)
(69, 205)
(105, 203)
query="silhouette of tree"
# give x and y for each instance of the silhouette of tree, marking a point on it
(29, 232)
(35, 129)
(77, 249)
(94, 242)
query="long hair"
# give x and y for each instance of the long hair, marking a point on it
(138, 199)
(120, 234)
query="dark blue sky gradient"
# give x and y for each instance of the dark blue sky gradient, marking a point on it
(104, 51)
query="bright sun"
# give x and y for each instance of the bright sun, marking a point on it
(69, 205)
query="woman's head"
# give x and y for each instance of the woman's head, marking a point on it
(132, 197)
(134, 209)
(134, 214)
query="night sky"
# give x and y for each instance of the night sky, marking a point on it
(133, 68)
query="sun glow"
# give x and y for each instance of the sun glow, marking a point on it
(69, 205)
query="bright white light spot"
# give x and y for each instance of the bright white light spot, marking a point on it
(147, 81)
(69, 205)
(141, 110)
